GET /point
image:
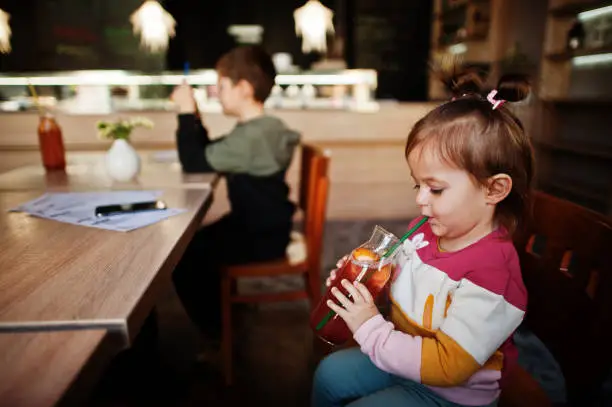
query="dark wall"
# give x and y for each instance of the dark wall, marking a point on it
(202, 33)
(22, 37)
(53, 35)
(390, 36)
(97, 34)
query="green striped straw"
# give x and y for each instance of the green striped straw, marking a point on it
(388, 253)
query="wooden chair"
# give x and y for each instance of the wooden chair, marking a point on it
(567, 269)
(312, 202)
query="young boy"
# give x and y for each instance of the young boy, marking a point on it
(254, 158)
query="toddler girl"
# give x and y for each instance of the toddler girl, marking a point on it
(458, 294)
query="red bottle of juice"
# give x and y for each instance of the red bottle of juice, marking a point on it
(366, 264)
(51, 143)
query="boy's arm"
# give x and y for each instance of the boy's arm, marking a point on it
(192, 140)
(477, 324)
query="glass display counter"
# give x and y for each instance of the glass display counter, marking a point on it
(103, 92)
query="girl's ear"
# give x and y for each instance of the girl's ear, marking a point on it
(498, 188)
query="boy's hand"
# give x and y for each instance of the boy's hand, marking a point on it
(332, 274)
(356, 310)
(183, 97)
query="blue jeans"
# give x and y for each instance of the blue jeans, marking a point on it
(349, 378)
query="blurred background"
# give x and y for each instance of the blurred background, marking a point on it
(372, 70)
(391, 37)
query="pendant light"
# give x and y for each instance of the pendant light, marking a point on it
(155, 26)
(313, 21)
(5, 33)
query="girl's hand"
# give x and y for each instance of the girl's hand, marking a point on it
(184, 99)
(356, 310)
(332, 274)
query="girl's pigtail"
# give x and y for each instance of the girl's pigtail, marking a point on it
(513, 87)
(459, 81)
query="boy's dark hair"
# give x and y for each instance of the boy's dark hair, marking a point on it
(252, 64)
(468, 133)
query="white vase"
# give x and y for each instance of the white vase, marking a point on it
(122, 161)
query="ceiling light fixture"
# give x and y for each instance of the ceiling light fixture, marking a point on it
(5, 32)
(313, 21)
(155, 26)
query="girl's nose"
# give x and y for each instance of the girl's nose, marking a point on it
(422, 198)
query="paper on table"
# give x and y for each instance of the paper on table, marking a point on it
(78, 208)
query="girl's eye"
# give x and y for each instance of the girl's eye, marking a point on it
(436, 191)
(417, 186)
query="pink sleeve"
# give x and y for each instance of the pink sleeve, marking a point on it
(392, 351)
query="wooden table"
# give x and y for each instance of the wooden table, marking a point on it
(86, 172)
(37, 369)
(71, 296)
(55, 275)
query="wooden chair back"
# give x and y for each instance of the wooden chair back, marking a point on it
(313, 194)
(565, 253)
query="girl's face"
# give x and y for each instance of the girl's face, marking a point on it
(457, 206)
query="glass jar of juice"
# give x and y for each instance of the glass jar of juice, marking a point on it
(51, 143)
(369, 264)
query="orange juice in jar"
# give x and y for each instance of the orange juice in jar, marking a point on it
(367, 264)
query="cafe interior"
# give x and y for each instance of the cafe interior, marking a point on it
(97, 210)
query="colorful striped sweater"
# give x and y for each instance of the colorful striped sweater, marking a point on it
(452, 317)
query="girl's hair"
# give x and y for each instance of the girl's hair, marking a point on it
(469, 133)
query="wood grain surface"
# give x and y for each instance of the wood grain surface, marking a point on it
(56, 276)
(37, 369)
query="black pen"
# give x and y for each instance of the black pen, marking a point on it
(121, 209)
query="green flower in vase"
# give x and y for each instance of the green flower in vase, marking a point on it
(121, 129)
